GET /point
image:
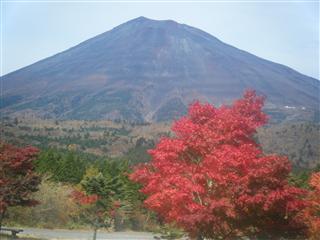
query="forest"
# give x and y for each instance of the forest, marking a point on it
(206, 178)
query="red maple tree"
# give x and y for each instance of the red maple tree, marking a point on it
(213, 180)
(17, 177)
(311, 214)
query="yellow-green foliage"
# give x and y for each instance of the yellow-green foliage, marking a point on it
(56, 209)
(91, 171)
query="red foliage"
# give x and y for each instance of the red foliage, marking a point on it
(17, 177)
(116, 204)
(83, 199)
(311, 213)
(213, 179)
(96, 209)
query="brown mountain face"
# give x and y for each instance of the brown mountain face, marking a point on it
(148, 70)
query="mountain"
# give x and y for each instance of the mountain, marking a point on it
(149, 70)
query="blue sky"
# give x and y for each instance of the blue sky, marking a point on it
(283, 32)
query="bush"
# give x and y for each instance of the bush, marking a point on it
(55, 208)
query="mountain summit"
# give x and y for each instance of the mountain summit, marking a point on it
(149, 70)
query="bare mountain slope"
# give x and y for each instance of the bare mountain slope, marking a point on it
(148, 70)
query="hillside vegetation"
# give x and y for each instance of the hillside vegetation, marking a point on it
(299, 141)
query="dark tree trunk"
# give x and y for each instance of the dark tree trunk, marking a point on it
(199, 237)
(95, 233)
(2, 217)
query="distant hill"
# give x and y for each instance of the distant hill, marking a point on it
(148, 70)
(299, 141)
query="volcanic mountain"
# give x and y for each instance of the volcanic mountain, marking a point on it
(149, 70)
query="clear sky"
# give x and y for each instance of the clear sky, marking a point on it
(280, 31)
